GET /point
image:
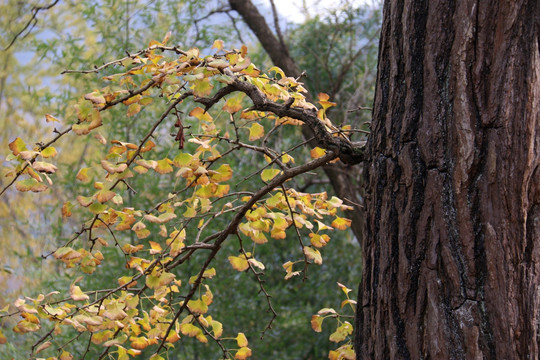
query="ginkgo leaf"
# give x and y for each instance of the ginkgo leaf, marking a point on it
(131, 249)
(217, 328)
(139, 343)
(202, 88)
(325, 311)
(190, 330)
(348, 301)
(42, 347)
(65, 356)
(313, 254)
(341, 223)
(147, 164)
(50, 118)
(161, 219)
(104, 195)
(241, 340)
(48, 152)
(269, 174)
(16, 146)
(239, 262)
(218, 45)
(28, 154)
(198, 306)
(323, 226)
(85, 200)
(164, 166)
(133, 109)
(345, 289)
(318, 240)
(342, 332)
(316, 323)
(243, 353)
(317, 152)
(82, 175)
(66, 209)
(95, 97)
(77, 294)
(155, 248)
(256, 263)
(234, 104)
(323, 100)
(30, 185)
(256, 131)
(113, 168)
(97, 208)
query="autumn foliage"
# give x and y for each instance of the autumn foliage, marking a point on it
(216, 106)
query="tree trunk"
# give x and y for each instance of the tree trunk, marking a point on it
(451, 248)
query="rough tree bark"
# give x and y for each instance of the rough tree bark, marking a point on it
(451, 250)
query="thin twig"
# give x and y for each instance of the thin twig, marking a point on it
(33, 21)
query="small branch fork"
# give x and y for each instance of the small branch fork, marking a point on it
(32, 22)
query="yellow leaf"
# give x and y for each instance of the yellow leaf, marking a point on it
(84, 200)
(218, 45)
(341, 223)
(104, 195)
(317, 152)
(323, 100)
(133, 109)
(130, 249)
(30, 185)
(345, 289)
(243, 353)
(256, 131)
(239, 262)
(316, 323)
(202, 88)
(190, 330)
(82, 175)
(77, 294)
(256, 263)
(42, 347)
(65, 356)
(234, 103)
(342, 332)
(155, 248)
(113, 168)
(164, 166)
(313, 254)
(95, 97)
(241, 340)
(139, 343)
(198, 306)
(200, 114)
(16, 146)
(48, 152)
(269, 174)
(50, 118)
(319, 241)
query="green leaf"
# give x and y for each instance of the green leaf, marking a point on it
(269, 174)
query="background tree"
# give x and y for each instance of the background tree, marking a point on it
(451, 246)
